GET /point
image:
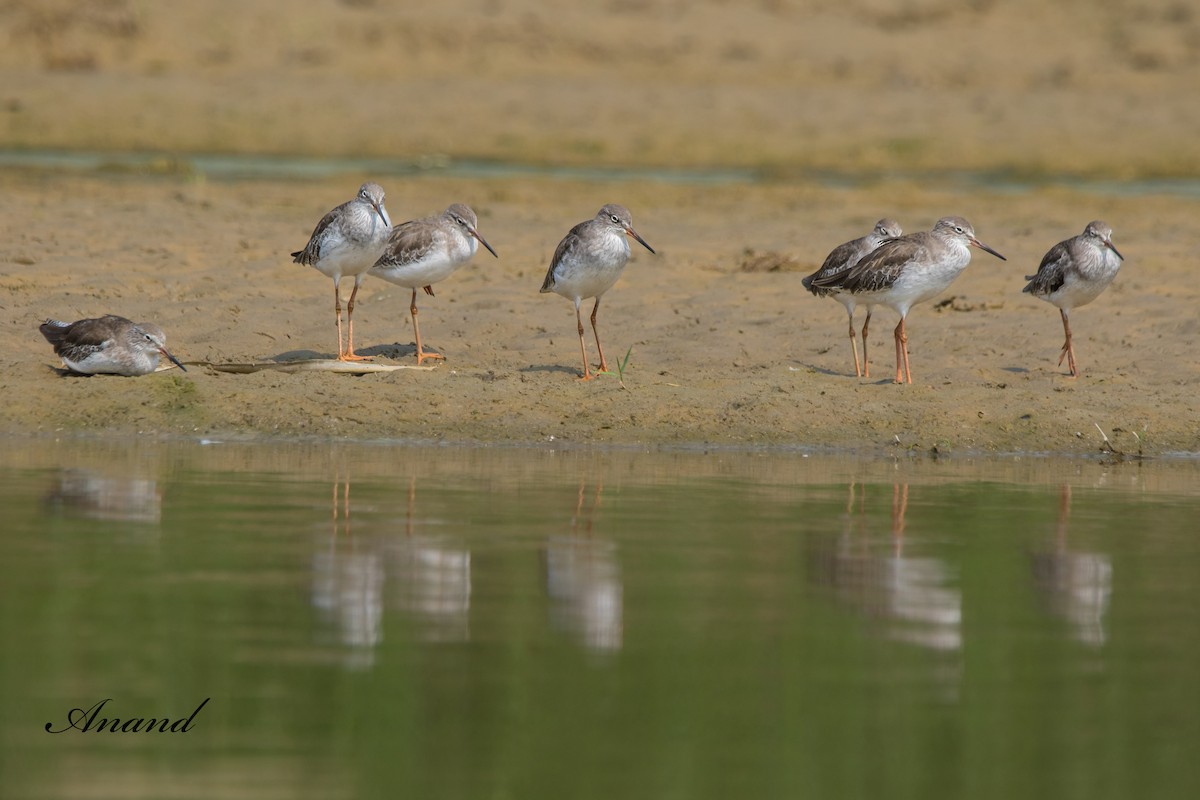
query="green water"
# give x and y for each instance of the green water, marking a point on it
(377, 621)
(247, 167)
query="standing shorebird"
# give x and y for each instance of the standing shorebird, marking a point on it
(108, 344)
(911, 269)
(421, 252)
(347, 241)
(588, 262)
(1073, 274)
(843, 258)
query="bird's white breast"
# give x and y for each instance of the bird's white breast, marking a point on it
(592, 271)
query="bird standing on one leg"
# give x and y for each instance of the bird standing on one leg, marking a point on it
(908, 270)
(843, 258)
(587, 263)
(347, 241)
(1074, 273)
(421, 252)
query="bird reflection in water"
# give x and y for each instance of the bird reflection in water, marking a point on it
(116, 498)
(348, 584)
(431, 580)
(583, 581)
(1073, 585)
(911, 594)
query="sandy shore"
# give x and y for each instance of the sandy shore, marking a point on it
(719, 354)
(725, 346)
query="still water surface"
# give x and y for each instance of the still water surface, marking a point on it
(249, 167)
(384, 621)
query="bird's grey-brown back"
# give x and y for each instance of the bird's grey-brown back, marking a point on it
(408, 243)
(350, 234)
(566, 251)
(413, 241)
(1075, 271)
(846, 256)
(83, 336)
(427, 250)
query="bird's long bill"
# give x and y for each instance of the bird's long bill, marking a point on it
(174, 360)
(379, 211)
(483, 242)
(1112, 247)
(987, 249)
(633, 233)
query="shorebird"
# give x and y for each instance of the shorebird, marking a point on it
(588, 262)
(421, 252)
(908, 270)
(842, 259)
(347, 241)
(108, 344)
(1073, 274)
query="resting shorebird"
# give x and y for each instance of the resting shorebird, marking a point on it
(911, 269)
(588, 262)
(347, 241)
(108, 344)
(421, 252)
(1073, 274)
(843, 258)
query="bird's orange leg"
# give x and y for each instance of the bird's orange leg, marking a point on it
(583, 352)
(587, 373)
(1068, 351)
(596, 333)
(337, 312)
(902, 353)
(349, 354)
(421, 354)
(866, 364)
(854, 345)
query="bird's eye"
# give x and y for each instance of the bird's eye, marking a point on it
(958, 229)
(615, 219)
